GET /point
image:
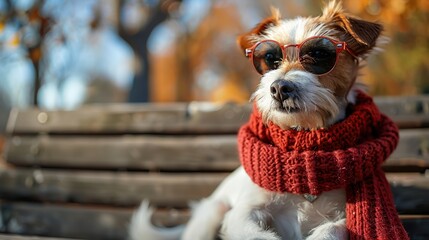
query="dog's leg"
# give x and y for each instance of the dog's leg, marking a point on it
(209, 213)
(330, 231)
(248, 223)
(250, 217)
(206, 219)
(286, 222)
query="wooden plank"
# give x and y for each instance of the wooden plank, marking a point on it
(411, 192)
(76, 221)
(126, 152)
(64, 221)
(406, 111)
(180, 117)
(143, 118)
(2, 143)
(416, 226)
(110, 224)
(119, 188)
(412, 150)
(171, 153)
(162, 189)
(16, 237)
(2, 149)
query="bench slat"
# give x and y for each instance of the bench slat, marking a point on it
(416, 226)
(118, 188)
(162, 189)
(129, 152)
(16, 237)
(176, 118)
(408, 112)
(410, 192)
(111, 224)
(65, 221)
(173, 153)
(413, 149)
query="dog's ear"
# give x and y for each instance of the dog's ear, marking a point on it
(360, 35)
(248, 39)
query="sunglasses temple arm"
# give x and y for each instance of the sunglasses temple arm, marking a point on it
(345, 47)
(352, 53)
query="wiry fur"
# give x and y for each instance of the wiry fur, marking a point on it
(238, 207)
(314, 102)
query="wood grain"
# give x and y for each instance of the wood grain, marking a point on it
(411, 191)
(406, 111)
(180, 118)
(117, 188)
(16, 237)
(412, 150)
(65, 221)
(189, 153)
(79, 174)
(169, 152)
(95, 223)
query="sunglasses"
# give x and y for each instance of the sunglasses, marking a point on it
(317, 55)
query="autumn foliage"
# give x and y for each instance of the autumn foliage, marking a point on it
(206, 64)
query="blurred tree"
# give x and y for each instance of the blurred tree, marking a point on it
(70, 44)
(206, 63)
(185, 49)
(33, 27)
(82, 49)
(18, 39)
(138, 19)
(403, 67)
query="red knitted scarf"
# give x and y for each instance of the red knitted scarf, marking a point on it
(347, 155)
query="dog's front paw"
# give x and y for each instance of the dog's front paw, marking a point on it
(330, 231)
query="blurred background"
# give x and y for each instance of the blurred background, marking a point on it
(61, 54)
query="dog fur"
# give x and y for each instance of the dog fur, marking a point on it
(241, 210)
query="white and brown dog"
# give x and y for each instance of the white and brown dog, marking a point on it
(318, 60)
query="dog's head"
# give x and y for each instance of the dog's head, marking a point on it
(308, 65)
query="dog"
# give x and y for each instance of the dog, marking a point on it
(317, 59)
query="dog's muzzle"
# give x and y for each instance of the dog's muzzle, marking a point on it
(282, 90)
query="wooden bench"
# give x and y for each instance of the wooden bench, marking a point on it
(80, 174)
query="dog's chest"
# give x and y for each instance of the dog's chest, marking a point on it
(329, 206)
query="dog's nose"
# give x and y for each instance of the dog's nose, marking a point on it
(282, 90)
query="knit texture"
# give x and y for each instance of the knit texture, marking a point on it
(347, 155)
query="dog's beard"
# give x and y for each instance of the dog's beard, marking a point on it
(312, 107)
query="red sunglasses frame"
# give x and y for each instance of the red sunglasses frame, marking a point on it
(339, 46)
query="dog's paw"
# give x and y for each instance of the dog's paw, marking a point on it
(330, 231)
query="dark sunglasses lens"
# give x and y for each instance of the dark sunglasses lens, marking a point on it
(318, 55)
(267, 56)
